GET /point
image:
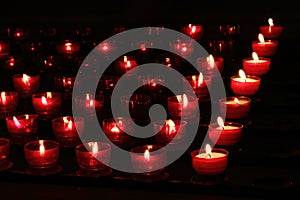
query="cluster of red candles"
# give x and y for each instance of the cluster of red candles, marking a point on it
(42, 155)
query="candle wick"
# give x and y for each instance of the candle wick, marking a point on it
(209, 155)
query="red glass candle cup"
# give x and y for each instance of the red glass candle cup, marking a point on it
(200, 86)
(210, 164)
(228, 135)
(22, 128)
(266, 48)
(47, 104)
(68, 47)
(207, 65)
(26, 85)
(182, 106)
(235, 107)
(182, 47)
(89, 103)
(42, 157)
(247, 88)
(4, 48)
(170, 131)
(93, 159)
(271, 32)
(195, 31)
(9, 101)
(258, 67)
(67, 130)
(124, 65)
(63, 84)
(4, 154)
(116, 130)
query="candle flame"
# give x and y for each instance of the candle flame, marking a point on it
(270, 21)
(25, 79)
(44, 100)
(208, 150)
(94, 147)
(170, 126)
(242, 75)
(255, 56)
(200, 79)
(3, 97)
(42, 148)
(210, 60)
(128, 64)
(68, 46)
(115, 129)
(68, 123)
(16, 122)
(26, 116)
(185, 100)
(147, 155)
(220, 122)
(261, 38)
(236, 100)
(49, 95)
(125, 58)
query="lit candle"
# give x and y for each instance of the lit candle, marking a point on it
(9, 101)
(209, 161)
(194, 31)
(183, 48)
(200, 86)
(125, 65)
(265, 47)
(22, 128)
(243, 84)
(209, 63)
(182, 106)
(47, 104)
(26, 85)
(68, 47)
(67, 130)
(4, 154)
(235, 107)
(89, 103)
(257, 66)
(225, 133)
(63, 84)
(271, 31)
(93, 159)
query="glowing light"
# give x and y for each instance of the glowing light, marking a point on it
(25, 79)
(170, 127)
(220, 122)
(210, 60)
(236, 100)
(270, 21)
(147, 155)
(3, 97)
(42, 148)
(242, 75)
(16, 122)
(208, 150)
(255, 56)
(261, 38)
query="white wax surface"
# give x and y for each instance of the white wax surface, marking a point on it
(213, 155)
(227, 127)
(248, 80)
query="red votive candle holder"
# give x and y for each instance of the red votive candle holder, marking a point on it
(225, 133)
(182, 47)
(89, 103)
(4, 154)
(124, 65)
(22, 128)
(148, 161)
(257, 66)
(42, 157)
(116, 130)
(242, 84)
(67, 47)
(93, 159)
(47, 104)
(26, 85)
(4, 48)
(209, 161)
(264, 47)
(182, 106)
(271, 31)
(67, 130)
(169, 131)
(235, 107)
(195, 31)
(9, 101)
(200, 85)
(63, 84)
(209, 63)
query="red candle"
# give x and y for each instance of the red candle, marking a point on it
(4, 48)
(107, 83)
(64, 84)
(93, 159)
(182, 106)
(125, 65)
(265, 47)
(67, 130)
(169, 131)
(225, 133)
(89, 103)
(209, 63)
(26, 85)
(68, 47)
(235, 107)
(183, 48)
(209, 161)
(22, 128)
(118, 130)
(257, 66)
(9, 101)
(271, 31)
(243, 84)
(47, 104)
(41, 156)
(4, 154)
(200, 86)
(147, 159)
(193, 30)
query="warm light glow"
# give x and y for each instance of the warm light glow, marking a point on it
(25, 79)
(236, 100)
(128, 64)
(94, 147)
(125, 58)
(220, 122)
(68, 46)
(242, 75)
(115, 129)
(3, 97)
(170, 126)
(49, 95)
(270, 21)
(16, 122)
(90, 102)
(147, 155)
(261, 38)
(67, 123)
(208, 150)
(42, 148)
(210, 60)
(26, 116)
(183, 99)
(44, 100)
(255, 56)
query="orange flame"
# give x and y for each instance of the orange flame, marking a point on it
(236, 100)
(16, 122)
(210, 60)
(147, 155)
(42, 148)
(261, 38)
(220, 122)
(68, 46)
(208, 150)
(170, 126)
(255, 56)
(270, 21)
(25, 79)
(3, 97)
(115, 129)
(242, 75)
(67, 123)
(44, 100)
